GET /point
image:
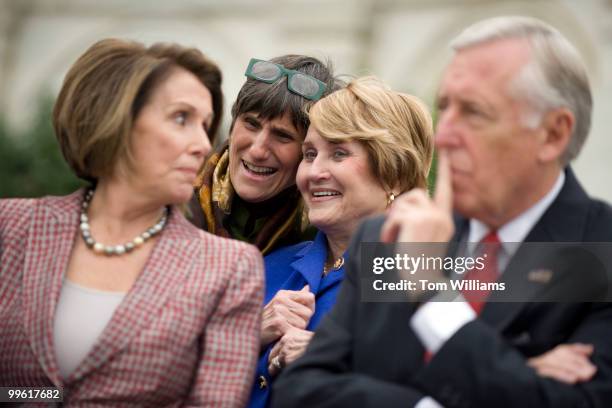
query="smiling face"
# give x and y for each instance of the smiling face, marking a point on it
(337, 184)
(493, 156)
(263, 156)
(169, 138)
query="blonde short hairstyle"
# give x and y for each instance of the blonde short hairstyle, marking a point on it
(104, 91)
(395, 128)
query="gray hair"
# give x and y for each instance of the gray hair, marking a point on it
(555, 76)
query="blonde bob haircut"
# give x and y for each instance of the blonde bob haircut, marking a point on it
(395, 128)
(105, 90)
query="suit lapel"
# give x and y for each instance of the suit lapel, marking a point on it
(310, 261)
(331, 279)
(51, 237)
(500, 311)
(563, 221)
(171, 261)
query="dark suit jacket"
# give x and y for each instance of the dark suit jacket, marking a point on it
(366, 354)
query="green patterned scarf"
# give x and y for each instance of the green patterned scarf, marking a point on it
(217, 209)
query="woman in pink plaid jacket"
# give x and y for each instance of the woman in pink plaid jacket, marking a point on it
(109, 293)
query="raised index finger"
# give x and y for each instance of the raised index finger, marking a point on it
(443, 196)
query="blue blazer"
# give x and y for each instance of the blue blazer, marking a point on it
(291, 268)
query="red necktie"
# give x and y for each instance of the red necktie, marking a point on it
(488, 274)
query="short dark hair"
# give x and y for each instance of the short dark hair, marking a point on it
(273, 100)
(104, 91)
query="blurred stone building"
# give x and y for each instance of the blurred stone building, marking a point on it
(402, 41)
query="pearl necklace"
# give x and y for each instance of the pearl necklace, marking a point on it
(110, 250)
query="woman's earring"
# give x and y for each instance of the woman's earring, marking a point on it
(390, 199)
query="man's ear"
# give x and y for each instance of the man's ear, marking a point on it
(557, 127)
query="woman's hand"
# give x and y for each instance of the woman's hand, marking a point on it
(291, 346)
(568, 363)
(287, 309)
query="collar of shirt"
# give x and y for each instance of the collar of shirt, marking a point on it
(515, 231)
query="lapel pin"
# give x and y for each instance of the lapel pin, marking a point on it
(540, 275)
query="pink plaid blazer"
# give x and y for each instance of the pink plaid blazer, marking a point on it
(186, 334)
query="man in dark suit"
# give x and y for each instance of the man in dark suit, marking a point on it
(514, 110)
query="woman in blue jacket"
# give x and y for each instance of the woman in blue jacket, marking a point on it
(365, 145)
